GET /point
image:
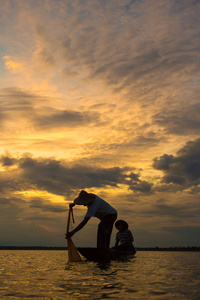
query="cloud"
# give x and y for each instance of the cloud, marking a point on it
(7, 161)
(21, 220)
(66, 118)
(183, 169)
(18, 102)
(128, 6)
(47, 206)
(163, 162)
(118, 46)
(127, 53)
(11, 201)
(56, 177)
(95, 92)
(25, 105)
(141, 186)
(180, 122)
(12, 65)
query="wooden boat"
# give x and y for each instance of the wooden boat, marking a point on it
(98, 254)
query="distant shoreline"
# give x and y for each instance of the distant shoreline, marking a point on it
(186, 249)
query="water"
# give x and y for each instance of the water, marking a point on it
(47, 275)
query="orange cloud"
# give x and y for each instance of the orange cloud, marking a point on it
(11, 64)
(48, 229)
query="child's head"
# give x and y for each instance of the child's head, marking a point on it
(121, 225)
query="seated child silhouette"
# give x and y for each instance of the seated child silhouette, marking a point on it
(124, 237)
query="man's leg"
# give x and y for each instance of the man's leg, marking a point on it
(105, 230)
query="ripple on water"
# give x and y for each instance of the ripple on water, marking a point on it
(151, 275)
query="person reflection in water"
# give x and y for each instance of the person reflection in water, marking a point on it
(96, 207)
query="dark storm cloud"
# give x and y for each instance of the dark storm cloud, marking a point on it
(51, 175)
(141, 186)
(56, 177)
(149, 140)
(181, 121)
(163, 162)
(47, 206)
(7, 161)
(17, 99)
(183, 169)
(10, 183)
(66, 118)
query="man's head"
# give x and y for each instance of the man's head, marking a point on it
(84, 198)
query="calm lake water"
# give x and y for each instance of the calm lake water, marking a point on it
(150, 275)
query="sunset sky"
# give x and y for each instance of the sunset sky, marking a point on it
(102, 96)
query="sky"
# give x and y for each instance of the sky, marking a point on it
(102, 96)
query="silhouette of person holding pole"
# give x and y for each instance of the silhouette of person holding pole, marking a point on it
(100, 209)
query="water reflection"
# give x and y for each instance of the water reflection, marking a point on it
(100, 280)
(45, 275)
(104, 265)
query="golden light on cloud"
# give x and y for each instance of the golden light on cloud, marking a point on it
(12, 65)
(31, 194)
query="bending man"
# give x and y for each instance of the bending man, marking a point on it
(100, 209)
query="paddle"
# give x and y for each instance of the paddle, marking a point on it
(73, 254)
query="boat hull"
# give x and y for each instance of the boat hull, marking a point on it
(98, 254)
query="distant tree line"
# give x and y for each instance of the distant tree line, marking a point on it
(193, 248)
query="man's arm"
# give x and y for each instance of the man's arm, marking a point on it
(72, 205)
(79, 227)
